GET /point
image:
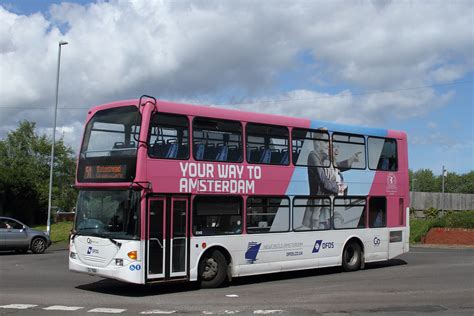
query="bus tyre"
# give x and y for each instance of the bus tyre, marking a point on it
(38, 245)
(351, 257)
(213, 269)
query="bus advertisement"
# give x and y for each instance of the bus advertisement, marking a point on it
(176, 192)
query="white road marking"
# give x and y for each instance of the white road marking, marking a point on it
(157, 311)
(62, 308)
(232, 295)
(18, 306)
(226, 312)
(107, 310)
(268, 311)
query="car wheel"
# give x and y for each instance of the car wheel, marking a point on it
(213, 269)
(38, 245)
(351, 257)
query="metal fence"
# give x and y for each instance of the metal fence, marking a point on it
(452, 201)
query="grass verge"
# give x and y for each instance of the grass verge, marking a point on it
(59, 231)
(420, 227)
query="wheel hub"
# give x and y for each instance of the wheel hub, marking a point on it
(211, 269)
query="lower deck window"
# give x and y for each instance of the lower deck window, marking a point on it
(311, 214)
(267, 215)
(349, 212)
(217, 215)
(377, 212)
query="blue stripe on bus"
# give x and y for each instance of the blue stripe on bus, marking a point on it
(336, 127)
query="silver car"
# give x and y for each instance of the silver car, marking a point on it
(15, 235)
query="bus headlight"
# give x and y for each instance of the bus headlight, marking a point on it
(132, 255)
(73, 255)
(119, 262)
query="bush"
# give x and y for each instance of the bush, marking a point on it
(431, 213)
(456, 220)
(420, 227)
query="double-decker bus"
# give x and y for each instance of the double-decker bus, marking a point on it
(173, 192)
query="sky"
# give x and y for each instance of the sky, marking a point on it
(403, 65)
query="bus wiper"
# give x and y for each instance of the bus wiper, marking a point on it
(78, 232)
(74, 235)
(116, 243)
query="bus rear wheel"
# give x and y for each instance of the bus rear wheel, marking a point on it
(213, 269)
(351, 257)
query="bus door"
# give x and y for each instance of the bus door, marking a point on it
(167, 246)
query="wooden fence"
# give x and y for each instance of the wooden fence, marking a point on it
(452, 201)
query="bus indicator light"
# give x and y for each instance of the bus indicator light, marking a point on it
(204, 245)
(132, 255)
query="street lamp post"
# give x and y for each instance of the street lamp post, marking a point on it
(413, 191)
(442, 191)
(48, 225)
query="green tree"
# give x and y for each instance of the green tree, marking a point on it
(426, 181)
(24, 174)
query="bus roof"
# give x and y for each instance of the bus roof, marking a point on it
(246, 116)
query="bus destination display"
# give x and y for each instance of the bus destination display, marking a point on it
(105, 172)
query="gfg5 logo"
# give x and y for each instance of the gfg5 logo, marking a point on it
(319, 244)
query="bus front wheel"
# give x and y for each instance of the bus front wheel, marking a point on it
(351, 257)
(213, 269)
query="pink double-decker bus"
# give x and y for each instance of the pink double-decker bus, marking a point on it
(171, 192)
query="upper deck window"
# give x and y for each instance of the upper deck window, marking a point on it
(217, 140)
(310, 148)
(112, 132)
(169, 136)
(348, 151)
(382, 154)
(267, 144)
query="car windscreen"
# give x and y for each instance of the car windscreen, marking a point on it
(108, 214)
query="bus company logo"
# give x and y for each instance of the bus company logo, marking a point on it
(391, 182)
(92, 251)
(376, 241)
(319, 244)
(90, 241)
(252, 251)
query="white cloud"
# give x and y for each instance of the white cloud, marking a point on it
(223, 52)
(432, 125)
(345, 107)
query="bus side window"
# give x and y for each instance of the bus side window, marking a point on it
(268, 214)
(377, 212)
(382, 154)
(217, 215)
(217, 140)
(349, 212)
(267, 144)
(306, 142)
(169, 136)
(348, 151)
